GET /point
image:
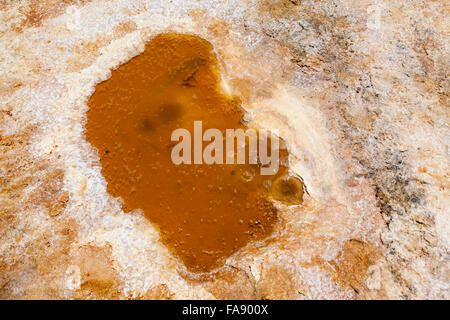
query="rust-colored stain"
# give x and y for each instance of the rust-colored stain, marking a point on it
(204, 213)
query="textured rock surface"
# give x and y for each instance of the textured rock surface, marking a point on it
(359, 90)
